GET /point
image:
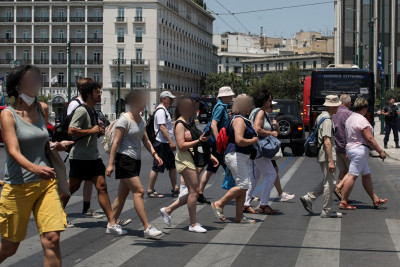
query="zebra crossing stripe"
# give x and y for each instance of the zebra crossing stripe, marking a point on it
(394, 230)
(227, 245)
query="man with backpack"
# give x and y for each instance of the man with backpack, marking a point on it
(218, 119)
(326, 158)
(85, 161)
(87, 185)
(164, 145)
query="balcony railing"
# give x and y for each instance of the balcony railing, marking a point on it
(6, 19)
(138, 61)
(26, 61)
(94, 40)
(137, 84)
(59, 61)
(95, 62)
(77, 40)
(63, 84)
(95, 19)
(59, 19)
(5, 61)
(77, 19)
(121, 61)
(6, 40)
(41, 19)
(24, 19)
(120, 19)
(121, 84)
(45, 84)
(41, 61)
(24, 40)
(120, 39)
(138, 39)
(58, 40)
(138, 19)
(41, 40)
(78, 61)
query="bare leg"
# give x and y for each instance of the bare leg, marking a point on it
(342, 181)
(192, 182)
(233, 193)
(367, 183)
(152, 180)
(51, 248)
(73, 185)
(277, 182)
(7, 249)
(135, 186)
(172, 177)
(348, 187)
(240, 204)
(104, 200)
(204, 180)
(119, 202)
(87, 192)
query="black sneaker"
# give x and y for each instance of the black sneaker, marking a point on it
(385, 146)
(397, 146)
(202, 199)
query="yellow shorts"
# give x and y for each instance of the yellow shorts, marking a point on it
(18, 201)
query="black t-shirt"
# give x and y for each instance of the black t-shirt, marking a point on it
(393, 113)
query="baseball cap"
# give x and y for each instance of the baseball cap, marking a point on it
(166, 94)
(196, 97)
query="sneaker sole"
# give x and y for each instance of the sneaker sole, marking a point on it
(304, 202)
(162, 215)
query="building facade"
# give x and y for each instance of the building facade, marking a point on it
(165, 44)
(358, 33)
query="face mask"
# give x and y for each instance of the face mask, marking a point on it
(27, 99)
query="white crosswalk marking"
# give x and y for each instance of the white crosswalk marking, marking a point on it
(227, 245)
(394, 230)
(321, 245)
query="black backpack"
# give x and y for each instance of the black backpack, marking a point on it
(61, 127)
(201, 153)
(312, 146)
(151, 134)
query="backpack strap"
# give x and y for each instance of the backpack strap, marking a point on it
(128, 119)
(212, 114)
(187, 126)
(166, 117)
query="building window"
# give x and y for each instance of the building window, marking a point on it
(120, 35)
(139, 12)
(43, 33)
(227, 60)
(219, 69)
(121, 53)
(26, 33)
(61, 13)
(139, 34)
(78, 56)
(9, 54)
(44, 77)
(26, 55)
(78, 34)
(43, 55)
(121, 12)
(96, 13)
(61, 34)
(139, 53)
(61, 55)
(9, 34)
(226, 69)
(256, 67)
(139, 77)
(314, 64)
(237, 59)
(96, 77)
(267, 67)
(60, 77)
(79, 12)
(44, 13)
(96, 34)
(26, 13)
(96, 56)
(9, 13)
(262, 67)
(304, 64)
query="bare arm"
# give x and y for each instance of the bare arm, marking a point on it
(214, 128)
(180, 138)
(75, 132)
(119, 133)
(369, 138)
(164, 131)
(12, 144)
(258, 125)
(240, 127)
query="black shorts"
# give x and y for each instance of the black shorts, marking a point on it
(86, 169)
(274, 163)
(221, 160)
(165, 153)
(126, 167)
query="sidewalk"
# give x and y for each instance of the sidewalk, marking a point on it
(391, 151)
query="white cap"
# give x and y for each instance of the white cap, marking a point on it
(225, 91)
(274, 102)
(166, 94)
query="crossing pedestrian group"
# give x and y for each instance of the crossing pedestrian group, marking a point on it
(243, 143)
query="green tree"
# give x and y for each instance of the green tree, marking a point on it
(214, 81)
(44, 98)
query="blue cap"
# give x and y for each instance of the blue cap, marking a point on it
(196, 97)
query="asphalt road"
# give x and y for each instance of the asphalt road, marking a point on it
(365, 237)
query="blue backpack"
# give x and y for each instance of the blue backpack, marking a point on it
(211, 141)
(311, 146)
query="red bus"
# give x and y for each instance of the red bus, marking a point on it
(306, 102)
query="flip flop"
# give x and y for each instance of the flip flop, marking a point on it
(154, 194)
(379, 203)
(219, 213)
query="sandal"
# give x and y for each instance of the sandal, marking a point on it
(267, 210)
(338, 193)
(245, 220)
(249, 209)
(218, 212)
(175, 193)
(345, 206)
(154, 194)
(379, 203)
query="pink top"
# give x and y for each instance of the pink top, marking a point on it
(355, 124)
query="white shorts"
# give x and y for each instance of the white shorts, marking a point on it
(358, 160)
(238, 164)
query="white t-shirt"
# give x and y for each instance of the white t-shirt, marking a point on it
(159, 119)
(131, 144)
(74, 104)
(355, 125)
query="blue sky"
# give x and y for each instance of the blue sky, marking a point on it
(277, 23)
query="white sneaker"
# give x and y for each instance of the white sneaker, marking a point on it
(332, 214)
(92, 214)
(116, 229)
(151, 232)
(286, 197)
(167, 218)
(70, 225)
(124, 222)
(307, 203)
(198, 228)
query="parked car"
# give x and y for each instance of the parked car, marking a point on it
(103, 118)
(287, 114)
(205, 110)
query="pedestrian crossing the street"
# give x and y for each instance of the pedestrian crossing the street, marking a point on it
(293, 238)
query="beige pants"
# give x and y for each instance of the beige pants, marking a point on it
(325, 187)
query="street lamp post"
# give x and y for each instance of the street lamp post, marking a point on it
(383, 82)
(118, 79)
(145, 84)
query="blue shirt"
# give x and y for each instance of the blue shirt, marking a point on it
(220, 114)
(249, 133)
